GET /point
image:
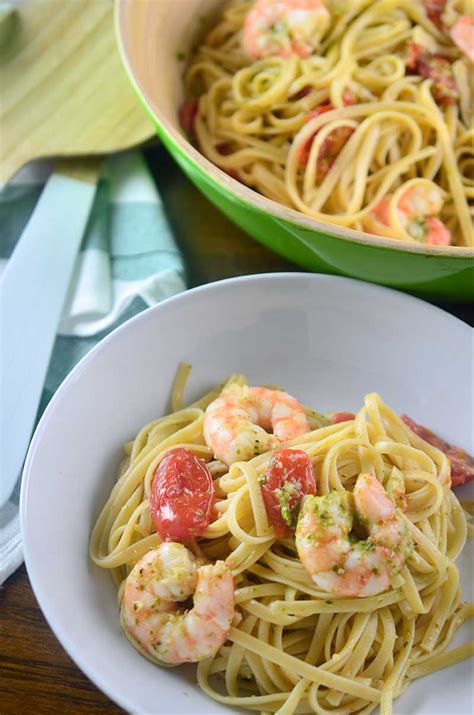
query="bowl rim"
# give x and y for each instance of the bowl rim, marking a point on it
(33, 567)
(244, 193)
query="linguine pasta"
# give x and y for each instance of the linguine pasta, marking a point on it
(381, 131)
(293, 648)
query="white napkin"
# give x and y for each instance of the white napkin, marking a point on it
(128, 261)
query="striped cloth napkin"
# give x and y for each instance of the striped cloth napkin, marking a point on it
(128, 261)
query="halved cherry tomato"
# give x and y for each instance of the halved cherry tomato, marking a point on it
(303, 154)
(436, 67)
(182, 496)
(434, 10)
(414, 52)
(187, 115)
(333, 143)
(342, 417)
(303, 92)
(288, 478)
(462, 464)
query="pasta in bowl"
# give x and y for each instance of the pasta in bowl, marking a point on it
(319, 549)
(357, 113)
(378, 218)
(341, 335)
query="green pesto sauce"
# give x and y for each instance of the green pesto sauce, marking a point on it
(289, 513)
(324, 507)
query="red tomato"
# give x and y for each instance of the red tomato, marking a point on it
(414, 52)
(303, 92)
(434, 10)
(182, 496)
(333, 143)
(437, 68)
(187, 114)
(349, 98)
(330, 149)
(289, 477)
(224, 148)
(462, 464)
(303, 154)
(342, 417)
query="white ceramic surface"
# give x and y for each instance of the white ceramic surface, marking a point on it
(327, 340)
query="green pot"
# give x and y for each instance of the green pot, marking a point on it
(156, 74)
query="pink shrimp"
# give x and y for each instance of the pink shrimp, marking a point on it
(236, 424)
(460, 27)
(284, 27)
(150, 617)
(338, 562)
(462, 33)
(411, 213)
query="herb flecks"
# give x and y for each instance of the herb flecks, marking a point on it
(289, 511)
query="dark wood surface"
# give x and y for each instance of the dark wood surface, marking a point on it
(36, 675)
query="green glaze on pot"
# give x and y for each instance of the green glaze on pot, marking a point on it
(435, 274)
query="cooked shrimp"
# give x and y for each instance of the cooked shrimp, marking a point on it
(338, 562)
(411, 213)
(150, 617)
(283, 27)
(235, 424)
(462, 33)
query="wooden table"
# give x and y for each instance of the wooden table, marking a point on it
(36, 675)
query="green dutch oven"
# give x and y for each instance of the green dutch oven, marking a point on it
(152, 36)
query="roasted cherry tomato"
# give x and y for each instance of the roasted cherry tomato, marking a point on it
(342, 417)
(182, 496)
(187, 115)
(288, 478)
(436, 67)
(303, 154)
(462, 464)
(303, 92)
(333, 143)
(434, 10)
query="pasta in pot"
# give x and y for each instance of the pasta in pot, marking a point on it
(369, 127)
(287, 645)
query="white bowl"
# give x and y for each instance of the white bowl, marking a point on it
(327, 340)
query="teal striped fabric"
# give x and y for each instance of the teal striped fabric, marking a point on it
(127, 262)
